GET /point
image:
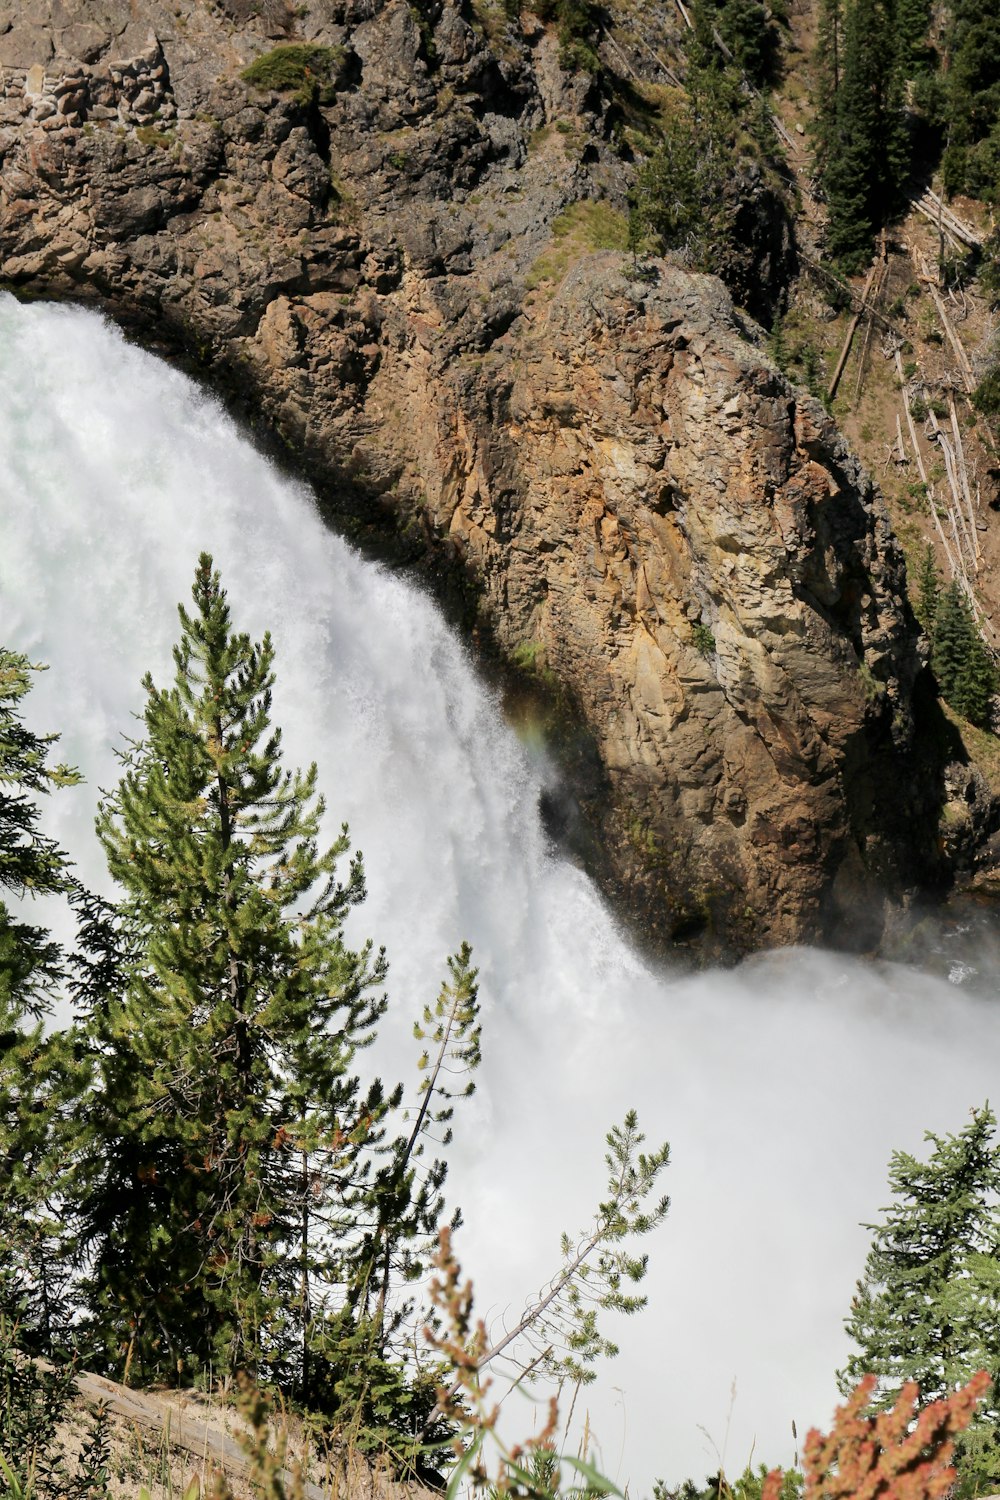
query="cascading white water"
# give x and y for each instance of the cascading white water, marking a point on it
(782, 1086)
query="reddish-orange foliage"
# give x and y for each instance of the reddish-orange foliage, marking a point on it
(891, 1455)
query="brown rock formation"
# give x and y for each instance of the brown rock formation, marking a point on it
(645, 507)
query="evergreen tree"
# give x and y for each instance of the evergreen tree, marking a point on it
(748, 29)
(989, 271)
(973, 692)
(685, 192)
(827, 63)
(961, 663)
(232, 1123)
(971, 160)
(678, 195)
(928, 1306)
(351, 1362)
(38, 1074)
(861, 127)
(928, 590)
(559, 1328)
(408, 1190)
(912, 22)
(717, 150)
(952, 629)
(30, 863)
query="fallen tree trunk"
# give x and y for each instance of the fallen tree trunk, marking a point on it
(931, 206)
(852, 330)
(957, 568)
(920, 265)
(177, 1429)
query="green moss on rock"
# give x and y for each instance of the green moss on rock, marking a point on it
(308, 72)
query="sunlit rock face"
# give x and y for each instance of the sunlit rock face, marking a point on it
(691, 547)
(650, 517)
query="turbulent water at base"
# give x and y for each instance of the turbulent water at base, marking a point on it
(782, 1086)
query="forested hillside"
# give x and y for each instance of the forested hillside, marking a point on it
(881, 125)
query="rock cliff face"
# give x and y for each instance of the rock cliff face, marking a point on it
(390, 263)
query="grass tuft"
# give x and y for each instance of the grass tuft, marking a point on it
(588, 225)
(306, 71)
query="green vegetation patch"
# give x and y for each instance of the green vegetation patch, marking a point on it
(306, 71)
(579, 25)
(702, 638)
(986, 397)
(153, 135)
(961, 661)
(585, 226)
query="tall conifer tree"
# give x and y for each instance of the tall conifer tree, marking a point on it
(38, 1073)
(928, 590)
(928, 1306)
(861, 125)
(962, 665)
(827, 64)
(971, 160)
(225, 1089)
(407, 1192)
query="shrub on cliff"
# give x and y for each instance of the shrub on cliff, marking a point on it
(308, 72)
(578, 22)
(986, 397)
(709, 189)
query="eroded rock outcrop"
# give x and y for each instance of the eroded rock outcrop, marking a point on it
(393, 273)
(687, 542)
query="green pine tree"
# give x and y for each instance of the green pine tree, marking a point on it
(408, 1189)
(960, 661)
(30, 863)
(864, 155)
(827, 67)
(686, 193)
(749, 31)
(39, 1076)
(973, 692)
(233, 1128)
(912, 21)
(971, 161)
(928, 1306)
(952, 632)
(558, 1333)
(355, 1370)
(928, 590)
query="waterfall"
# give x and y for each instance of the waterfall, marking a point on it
(782, 1085)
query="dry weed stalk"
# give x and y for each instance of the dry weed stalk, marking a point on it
(265, 1446)
(525, 1471)
(890, 1455)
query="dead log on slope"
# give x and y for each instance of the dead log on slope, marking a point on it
(853, 325)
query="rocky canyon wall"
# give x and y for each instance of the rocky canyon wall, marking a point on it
(396, 268)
